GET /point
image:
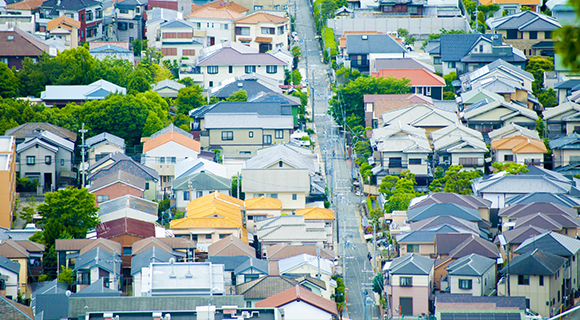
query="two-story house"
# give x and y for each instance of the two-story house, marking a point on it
(130, 19)
(458, 144)
(217, 23)
(473, 274)
(65, 28)
(103, 145)
(263, 31)
(410, 283)
(421, 81)
(195, 185)
(566, 150)
(360, 47)
(562, 120)
(28, 255)
(89, 13)
(519, 149)
(18, 44)
(177, 40)
(486, 117)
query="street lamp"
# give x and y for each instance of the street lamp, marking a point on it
(209, 300)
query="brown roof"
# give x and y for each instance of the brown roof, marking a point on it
(283, 251)
(446, 242)
(231, 246)
(31, 246)
(12, 250)
(143, 245)
(106, 244)
(257, 17)
(171, 136)
(301, 294)
(265, 287)
(24, 312)
(519, 144)
(134, 227)
(220, 4)
(22, 44)
(214, 13)
(71, 244)
(28, 129)
(473, 244)
(64, 21)
(25, 5)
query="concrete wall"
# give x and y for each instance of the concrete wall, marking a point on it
(415, 26)
(420, 292)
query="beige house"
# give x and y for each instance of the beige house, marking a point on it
(263, 31)
(497, 114)
(103, 145)
(178, 40)
(459, 145)
(566, 150)
(421, 116)
(65, 28)
(562, 120)
(519, 149)
(261, 208)
(472, 274)
(217, 23)
(410, 284)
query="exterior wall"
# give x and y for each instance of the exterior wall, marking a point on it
(213, 235)
(23, 277)
(182, 204)
(538, 295)
(297, 309)
(480, 285)
(570, 126)
(421, 169)
(117, 190)
(169, 149)
(312, 271)
(278, 39)
(420, 292)
(137, 284)
(221, 30)
(180, 43)
(242, 143)
(457, 155)
(524, 42)
(11, 291)
(288, 205)
(441, 271)
(8, 187)
(215, 80)
(151, 188)
(131, 17)
(103, 148)
(425, 249)
(40, 167)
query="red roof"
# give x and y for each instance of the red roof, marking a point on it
(418, 77)
(301, 294)
(134, 227)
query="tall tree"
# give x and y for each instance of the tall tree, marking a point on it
(189, 98)
(238, 96)
(568, 41)
(455, 180)
(152, 124)
(8, 82)
(398, 191)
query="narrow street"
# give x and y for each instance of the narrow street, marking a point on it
(359, 274)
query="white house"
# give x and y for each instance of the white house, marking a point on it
(103, 145)
(298, 302)
(177, 40)
(473, 274)
(9, 272)
(262, 31)
(305, 264)
(217, 23)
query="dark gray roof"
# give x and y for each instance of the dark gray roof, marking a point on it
(230, 262)
(552, 242)
(573, 84)
(98, 289)
(447, 242)
(535, 262)
(50, 298)
(558, 199)
(105, 136)
(374, 43)
(525, 21)
(468, 201)
(143, 259)
(284, 99)
(169, 128)
(228, 56)
(119, 304)
(428, 235)
(69, 5)
(448, 220)
(130, 4)
(261, 108)
(439, 209)
(118, 176)
(471, 265)
(265, 287)
(524, 209)
(519, 235)
(123, 162)
(399, 63)
(456, 46)
(474, 244)
(499, 301)
(411, 264)
(252, 87)
(202, 181)
(177, 23)
(539, 220)
(101, 258)
(433, 46)
(252, 263)
(9, 265)
(571, 142)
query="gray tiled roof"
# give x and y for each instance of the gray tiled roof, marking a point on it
(98, 289)
(123, 162)
(428, 235)
(9, 265)
(401, 63)
(374, 43)
(252, 86)
(284, 99)
(515, 303)
(177, 23)
(535, 262)
(411, 264)
(524, 209)
(519, 235)
(573, 84)
(118, 176)
(128, 201)
(265, 287)
(167, 84)
(447, 242)
(438, 209)
(105, 136)
(284, 153)
(570, 142)
(525, 21)
(449, 220)
(252, 263)
(101, 258)
(170, 128)
(456, 46)
(471, 265)
(230, 262)
(143, 259)
(551, 242)
(558, 199)
(447, 197)
(202, 181)
(474, 244)
(228, 56)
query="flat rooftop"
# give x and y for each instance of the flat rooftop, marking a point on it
(5, 162)
(6, 143)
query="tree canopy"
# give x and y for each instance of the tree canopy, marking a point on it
(455, 180)
(238, 96)
(398, 191)
(568, 41)
(511, 167)
(189, 98)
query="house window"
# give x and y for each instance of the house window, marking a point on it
(146, 185)
(122, 26)
(210, 84)
(47, 159)
(99, 13)
(251, 134)
(280, 164)
(208, 236)
(212, 69)
(523, 280)
(250, 69)
(279, 134)
(294, 196)
(137, 9)
(267, 139)
(89, 16)
(127, 251)
(242, 31)
(547, 34)
(395, 163)
(227, 135)
(225, 26)
(131, 25)
(248, 304)
(188, 52)
(427, 91)
(267, 30)
(257, 8)
(508, 157)
(102, 198)
(437, 60)
(124, 11)
(481, 48)
(199, 194)
(271, 69)
(273, 195)
(465, 284)
(414, 161)
(169, 51)
(231, 69)
(541, 280)
(412, 248)
(185, 195)
(512, 34)
(280, 30)
(160, 160)
(451, 64)
(31, 160)
(533, 34)
(223, 235)
(406, 281)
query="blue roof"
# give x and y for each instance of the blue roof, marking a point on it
(110, 49)
(555, 198)
(552, 242)
(571, 141)
(456, 46)
(428, 235)
(145, 258)
(439, 209)
(372, 43)
(101, 258)
(98, 289)
(573, 84)
(9, 265)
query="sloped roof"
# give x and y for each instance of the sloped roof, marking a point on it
(33, 128)
(258, 17)
(121, 162)
(524, 21)
(535, 180)
(427, 235)
(372, 43)
(473, 244)
(23, 45)
(11, 249)
(25, 5)
(96, 90)
(519, 235)
(301, 294)
(539, 220)
(168, 84)
(524, 209)
(417, 77)
(230, 246)
(456, 46)
(447, 242)
(203, 180)
(440, 220)
(148, 243)
(437, 209)
(213, 13)
(511, 130)
(171, 133)
(420, 115)
(471, 265)
(457, 143)
(411, 264)
(255, 265)
(144, 258)
(105, 137)
(455, 129)
(283, 250)
(101, 258)
(478, 94)
(262, 202)
(228, 53)
(9, 265)
(98, 289)
(401, 63)
(31, 246)
(252, 84)
(551, 242)
(286, 265)
(570, 142)
(516, 110)
(105, 244)
(265, 287)
(316, 213)
(129, 201)
(128, 226)
(114, 177)
(549, 113)
(281, 152)
(558, 199)
(519, 144)
(229, 5)
(535, 262)
(15, 310)
(64, 21)
(462, 302)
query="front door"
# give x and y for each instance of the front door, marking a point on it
(211, 41)
(48, 181)
(406, 305)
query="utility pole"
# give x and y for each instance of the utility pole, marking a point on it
(83, 151)
(238, 194)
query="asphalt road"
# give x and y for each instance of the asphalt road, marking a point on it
(359, 275)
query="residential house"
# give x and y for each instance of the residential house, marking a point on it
(459, 145)
(177, 40)
(95, 264)
(422, 241)
(472, 274)
(291, 230)
(211, 218)
(377, 63)
(117, 50)
(192, 186)
(461, 53)
(409, 285)
(562, 120)
(284, 55)
(7, 180)
(448, 304)
(317, 214)
(240, 269)
(561, 11)
(421, 116)
(558, 199)
(168, 88)
(472, 97)
(421, 81)
(524, 29)
(47, 158)
(519, 210)
(565, 150)
(298, 301)
(313, 266)
(512, 129)
(497, 70)
(130, 18)
(566, 88)
(468, 201)
(28, 255)
(60, 96)
(519, 149)
(17, 44)
(359, 47)
(539, 276)
(231, 59)
(165, 148)
(401, 147)
(49, 300)
(116, 184)
(509, 240)
(156, 16)
(27, 130)
(22, 14)
(498, 88)
(377, 104)
(512, 6)
(182, 249)
(89, 13)
(277, 252)
(252, 83)
(431, 223)
(260, 208)
(128, 206)
(263, 288)
(230, 246)
(183, 278)
(496, 114)
(103, 145)
(10, 271)
(98, 289)
(263, 31)
(217, 23)
(143, 260)
(65, 28)
(500, 186)
(68, 250)
(216, 4)
(562, 224)
(286, 101)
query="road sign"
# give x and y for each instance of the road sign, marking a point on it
(301, 41)
(305, 80)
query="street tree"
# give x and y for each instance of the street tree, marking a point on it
(455, 180)
(511, 167)
(398, 191)
(189, 98)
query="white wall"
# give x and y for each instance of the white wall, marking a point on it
(298, 309)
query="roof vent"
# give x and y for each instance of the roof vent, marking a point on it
(240, 84)
(10, 38)
(365, 37)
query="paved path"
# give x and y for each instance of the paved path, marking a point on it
(338, 169)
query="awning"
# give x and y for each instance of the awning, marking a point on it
(263, 40)
(244, 39)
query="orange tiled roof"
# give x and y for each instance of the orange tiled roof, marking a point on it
(301, 294)
(418, 77)
(519, 144)
(262, 17)
(316, 213)
(66, 22)
(263, 202)
(25, 5)
(219, 4)
(521, 2)
(171, 136)
(214, 13)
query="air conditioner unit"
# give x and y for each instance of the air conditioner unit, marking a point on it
(246, 314)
